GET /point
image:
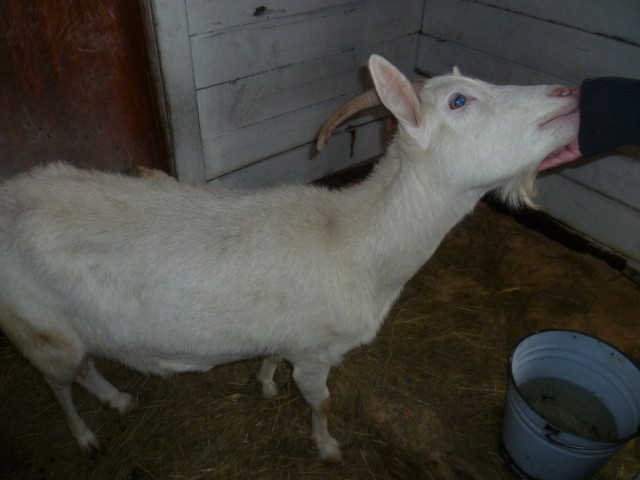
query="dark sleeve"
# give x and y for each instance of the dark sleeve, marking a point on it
(609, 114)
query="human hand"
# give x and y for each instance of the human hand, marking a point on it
(566, 154)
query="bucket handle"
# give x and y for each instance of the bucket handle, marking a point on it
(551, 433)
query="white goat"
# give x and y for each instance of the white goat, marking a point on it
(166, 277)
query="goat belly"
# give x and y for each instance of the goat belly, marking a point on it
(172, 364)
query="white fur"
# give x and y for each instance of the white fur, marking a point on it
(166, 277)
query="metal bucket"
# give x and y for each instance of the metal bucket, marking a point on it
(573, 401)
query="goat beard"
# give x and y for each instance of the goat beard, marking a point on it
(519, 190)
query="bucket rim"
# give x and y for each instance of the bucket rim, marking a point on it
(618, 441)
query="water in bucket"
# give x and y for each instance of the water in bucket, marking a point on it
(573, 401)
(570, 407)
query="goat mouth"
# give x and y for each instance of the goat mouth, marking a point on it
(565, 112)
(573, 107)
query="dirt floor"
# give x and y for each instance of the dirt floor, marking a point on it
(424, 401)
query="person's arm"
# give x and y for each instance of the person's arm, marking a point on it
(609, 114)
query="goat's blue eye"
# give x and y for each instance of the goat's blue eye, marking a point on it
(458, 102)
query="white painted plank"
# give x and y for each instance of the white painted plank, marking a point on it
(618, 19)
(550, 48)
(215, 15)
(400, 51)
(304, 164)
(437, 57)
(259, 97)
(246, 145)
(605, 220)
(254, 49)
(174, 54)
(616, 176)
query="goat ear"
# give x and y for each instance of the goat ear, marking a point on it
(456, 71)
(398, 95)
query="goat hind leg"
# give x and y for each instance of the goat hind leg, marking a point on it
(85, 438)
(311, 379)
(110, 396)
(59, 356)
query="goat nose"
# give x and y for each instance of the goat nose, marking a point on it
(559, 91)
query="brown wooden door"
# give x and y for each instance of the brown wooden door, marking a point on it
(75, 85)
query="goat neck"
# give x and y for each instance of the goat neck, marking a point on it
(399, 215)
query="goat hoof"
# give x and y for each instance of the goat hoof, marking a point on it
(123, 403)
(269, 390)
(329, 451)
(128, 404)
(91, 447)
(332, 460)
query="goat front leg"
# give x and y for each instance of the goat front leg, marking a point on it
(265, 376)
(311, 379)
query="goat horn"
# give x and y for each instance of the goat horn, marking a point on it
(363, 101)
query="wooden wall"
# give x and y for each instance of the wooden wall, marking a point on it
(250, 86)
(547, 41)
